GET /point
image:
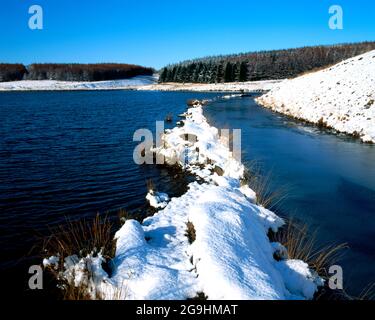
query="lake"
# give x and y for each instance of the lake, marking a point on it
(70, 154)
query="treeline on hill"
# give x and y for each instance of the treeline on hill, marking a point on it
(11, 72)
(263, 65)
(71, 72)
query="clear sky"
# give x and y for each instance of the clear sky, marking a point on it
(155, 33)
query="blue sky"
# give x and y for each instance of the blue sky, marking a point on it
(155, 33)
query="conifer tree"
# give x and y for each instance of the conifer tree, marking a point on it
(219, 73)
(228, 72)
(163, 75)
(243, 71)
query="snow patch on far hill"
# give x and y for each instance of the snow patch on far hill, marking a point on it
(248, 86)
(341, 97)
(52, 85)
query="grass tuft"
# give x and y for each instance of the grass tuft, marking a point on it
(321, 123)
(261, 184)
(123, 215)
(70, 291)
(192, 102)
(301, 244)
(367, 293)
(190, 232)
(150, 185)
(81, 238)
(169, 118)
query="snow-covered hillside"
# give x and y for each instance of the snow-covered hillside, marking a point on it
(341, 97)
(45, 85)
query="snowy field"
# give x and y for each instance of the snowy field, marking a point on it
(142, 83)
(249, 86)
(53, 85)
(341, 97)
(230, 256)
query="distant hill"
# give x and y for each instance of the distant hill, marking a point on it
(340, 97)
(262, 65)
(12, 72)
(71, 71)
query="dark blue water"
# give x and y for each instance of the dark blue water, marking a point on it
(330, 179)
(70, 154)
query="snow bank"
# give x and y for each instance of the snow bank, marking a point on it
(232, 253)
(341, 97)
(299, 279)
(88, 272)
(249, 86)
(157, 199)
(228, 256)
(52, 261)
(46, 85)
(227, 253)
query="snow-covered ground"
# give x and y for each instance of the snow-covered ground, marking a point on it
(249, 86)
(227, 256)
(341, 97)
(157, 199)
(141, 83)
(52, 85)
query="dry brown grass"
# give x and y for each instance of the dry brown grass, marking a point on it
(123, 215)
(71, 292)
(192, 102)
(81, 292)
(150, 185)
(169, 117)
(81, 238)
(190, 232)
(302, 245)
(321, 123)
(367, 293)
(261, 184)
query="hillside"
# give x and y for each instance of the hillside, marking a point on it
(12, 71)
(263, 65)
(341, 97)
(72, 71)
